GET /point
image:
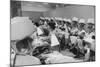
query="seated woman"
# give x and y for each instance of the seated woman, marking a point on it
(23, 56)
(41, 43)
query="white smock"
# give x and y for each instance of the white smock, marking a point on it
(54, 40)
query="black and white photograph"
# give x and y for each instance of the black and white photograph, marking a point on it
(44, 33)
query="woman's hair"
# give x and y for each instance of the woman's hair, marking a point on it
(52, 25)
(37, 24)
(93, 37)
(46, 32)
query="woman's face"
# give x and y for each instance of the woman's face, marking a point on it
(89, 28)
(41, 22)
(74, 24)
(81, 26)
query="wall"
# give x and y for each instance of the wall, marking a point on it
(33, 10)
(32, 14)
(70, 11)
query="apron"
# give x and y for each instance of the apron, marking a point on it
(39, 31)
(54, 40)
(91, 43)
(74, 31)
(73, 39)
